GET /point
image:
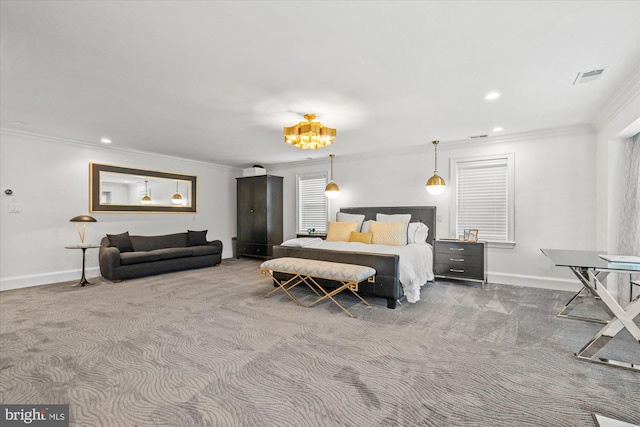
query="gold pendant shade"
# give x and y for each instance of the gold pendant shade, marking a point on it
(309, 135)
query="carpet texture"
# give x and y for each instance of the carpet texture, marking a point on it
(204, 348)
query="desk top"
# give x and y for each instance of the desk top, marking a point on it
(587, 259)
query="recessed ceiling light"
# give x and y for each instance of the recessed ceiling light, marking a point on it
(497, 129)
(105, 141)
(492, 95)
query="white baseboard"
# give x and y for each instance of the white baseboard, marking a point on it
(18, 282)
(554, 283)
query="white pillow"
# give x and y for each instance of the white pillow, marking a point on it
(347, 217)
(393, 218)
(417, 233)
(365, 226)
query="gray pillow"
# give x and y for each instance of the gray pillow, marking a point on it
(196, 238)
(121, 241)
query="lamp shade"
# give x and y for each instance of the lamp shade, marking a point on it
(83, 218)
(332, 190)
(435, 185)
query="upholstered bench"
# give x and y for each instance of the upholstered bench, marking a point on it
(307, 270)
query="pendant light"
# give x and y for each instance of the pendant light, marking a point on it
(435, 184)
(146, 200)
(176, 199)
(332, 190)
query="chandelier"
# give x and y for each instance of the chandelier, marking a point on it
(309, 135)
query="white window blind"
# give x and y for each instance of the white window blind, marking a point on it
(313, 206)
(484, 199)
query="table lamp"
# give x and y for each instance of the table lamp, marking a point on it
(84, 219)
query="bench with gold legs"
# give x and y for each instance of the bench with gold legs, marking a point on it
(307, 271)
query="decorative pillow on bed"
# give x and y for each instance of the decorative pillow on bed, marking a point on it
(341, 231)
(361, 237)
(389, 233)
(405, 218)
(347, 217)
(393, 218)
(417, 233)
(365, 226)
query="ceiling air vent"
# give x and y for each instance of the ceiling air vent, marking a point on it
(478, 136)
(588, 76)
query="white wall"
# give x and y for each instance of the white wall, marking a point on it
(554, 179)
(50, 181)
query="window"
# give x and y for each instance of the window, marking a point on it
(483, 197)
(312, 204)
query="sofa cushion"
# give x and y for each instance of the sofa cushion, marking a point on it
(150, 243)
(204, 250)
(171, 253)
(129, 258)
(120, 241)
(196, 238)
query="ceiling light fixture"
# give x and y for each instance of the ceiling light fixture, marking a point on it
(435, 184)
(332, 190)
(146, 200)
(492, 95)
(309, 135)
(105, 140)
(497, 129)
(176, 199)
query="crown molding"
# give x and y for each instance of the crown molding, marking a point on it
(584, 130)
(628, 92)
(93, 146)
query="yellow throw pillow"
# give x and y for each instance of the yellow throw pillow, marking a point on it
(361, 237)
(389, 233)
(341, 231)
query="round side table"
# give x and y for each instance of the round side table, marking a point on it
(83, 280)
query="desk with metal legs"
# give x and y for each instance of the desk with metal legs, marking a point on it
(590, 269)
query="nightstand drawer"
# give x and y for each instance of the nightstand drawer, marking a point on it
(462, 271)
(459, 248)
(459, 259)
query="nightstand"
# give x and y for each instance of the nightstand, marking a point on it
(460, 260)
(320, 235)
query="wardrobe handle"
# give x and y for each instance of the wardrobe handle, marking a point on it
(456, 249)
(456, 259)
(453, 270)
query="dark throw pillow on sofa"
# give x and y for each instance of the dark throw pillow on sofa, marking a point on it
(121, 241)
(196, 238)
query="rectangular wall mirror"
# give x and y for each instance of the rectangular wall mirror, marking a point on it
(122, 189)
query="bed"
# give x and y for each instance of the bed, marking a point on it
(388, 261)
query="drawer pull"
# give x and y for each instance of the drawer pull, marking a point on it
(456, 259)
(453, 270)
(456, 249)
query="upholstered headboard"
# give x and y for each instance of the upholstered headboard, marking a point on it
(424, 214)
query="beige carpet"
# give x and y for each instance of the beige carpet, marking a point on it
(204, 348)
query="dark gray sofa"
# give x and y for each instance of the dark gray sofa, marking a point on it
(147, 255)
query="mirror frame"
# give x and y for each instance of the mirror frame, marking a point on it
(94, 190)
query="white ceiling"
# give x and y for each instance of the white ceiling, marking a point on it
(217, 81)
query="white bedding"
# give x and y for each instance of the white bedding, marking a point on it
(416, 260)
